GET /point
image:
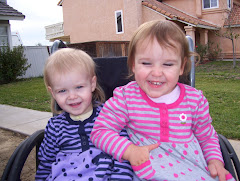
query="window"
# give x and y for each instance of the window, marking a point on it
(210, 4)
(119, 21)
(3, 36)
(229, 4)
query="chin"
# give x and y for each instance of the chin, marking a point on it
(75, 113)
(154, 95)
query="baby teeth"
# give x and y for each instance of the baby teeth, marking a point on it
(156, 83)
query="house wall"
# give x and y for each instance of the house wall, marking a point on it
(216, 16)
(226, 44)
(194, 7)
(97, 21)
(5, 36)
(149, 14)
(188, 6)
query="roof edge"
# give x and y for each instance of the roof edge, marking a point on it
(21, 18)
(60, 3)
(181, 19)
(232, 26)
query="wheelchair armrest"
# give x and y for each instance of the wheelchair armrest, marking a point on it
(230, 158)
(22, 154)
(10, 162)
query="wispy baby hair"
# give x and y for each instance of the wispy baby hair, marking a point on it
(66, 60)
(167, 33)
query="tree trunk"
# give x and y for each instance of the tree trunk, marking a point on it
(234, 61)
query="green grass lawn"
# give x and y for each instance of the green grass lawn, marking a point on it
(219, 82)
(27, 93)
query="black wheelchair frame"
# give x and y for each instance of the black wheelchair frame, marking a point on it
(16, 162)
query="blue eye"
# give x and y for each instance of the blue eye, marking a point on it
(79, 87)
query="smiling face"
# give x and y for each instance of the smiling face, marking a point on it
(73, 91)
(156, 68)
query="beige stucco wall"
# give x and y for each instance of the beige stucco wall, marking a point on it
(226, 44)
(188, 6)
(218, 17)
(215, 16)
(94, 20)
(149, 14)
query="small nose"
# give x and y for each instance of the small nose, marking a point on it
(157, 71)
(72, 95)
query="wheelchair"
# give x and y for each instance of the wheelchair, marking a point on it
(111, 73)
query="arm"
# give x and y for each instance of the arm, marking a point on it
(105, 134)
(208, 140)
(205, 132)
(111, 120)
(47, 152)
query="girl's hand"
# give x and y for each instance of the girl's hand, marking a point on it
(138, 155)
(216, 168)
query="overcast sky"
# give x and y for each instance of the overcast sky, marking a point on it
(38, 14)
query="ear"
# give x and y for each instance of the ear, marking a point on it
(183, 65)
(133, 67)
(94, 83)
(51, 91)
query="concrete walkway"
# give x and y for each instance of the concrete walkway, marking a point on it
(24, 121)
(27, 121)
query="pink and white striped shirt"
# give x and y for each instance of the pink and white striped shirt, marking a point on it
(147, 122)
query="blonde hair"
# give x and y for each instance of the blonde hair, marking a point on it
(168, 34)
(65, 60)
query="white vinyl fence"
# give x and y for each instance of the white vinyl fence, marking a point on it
(37, 56)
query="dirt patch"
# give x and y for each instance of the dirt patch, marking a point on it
(8, 143)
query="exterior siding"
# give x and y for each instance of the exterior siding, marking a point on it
(37, 56)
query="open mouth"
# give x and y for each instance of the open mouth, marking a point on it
(75, 104)
(155, 83)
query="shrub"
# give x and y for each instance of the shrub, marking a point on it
(202, 51)
(213, 51)
(12, 63)
(208, 51)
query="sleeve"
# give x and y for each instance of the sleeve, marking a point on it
(111, 120)
(205, 132)
(123, 170)
(47, 152)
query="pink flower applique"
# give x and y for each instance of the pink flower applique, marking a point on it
(183, 118)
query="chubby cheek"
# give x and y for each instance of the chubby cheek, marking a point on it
(55, 97)
(140, 72)
(60, 99)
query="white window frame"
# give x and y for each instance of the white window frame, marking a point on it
(229, 3)
(210, 4)
(116, 21)
(9, 37)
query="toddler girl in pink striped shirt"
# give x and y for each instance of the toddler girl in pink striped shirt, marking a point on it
(171, 136)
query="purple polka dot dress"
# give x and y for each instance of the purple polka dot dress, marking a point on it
(67, 153)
